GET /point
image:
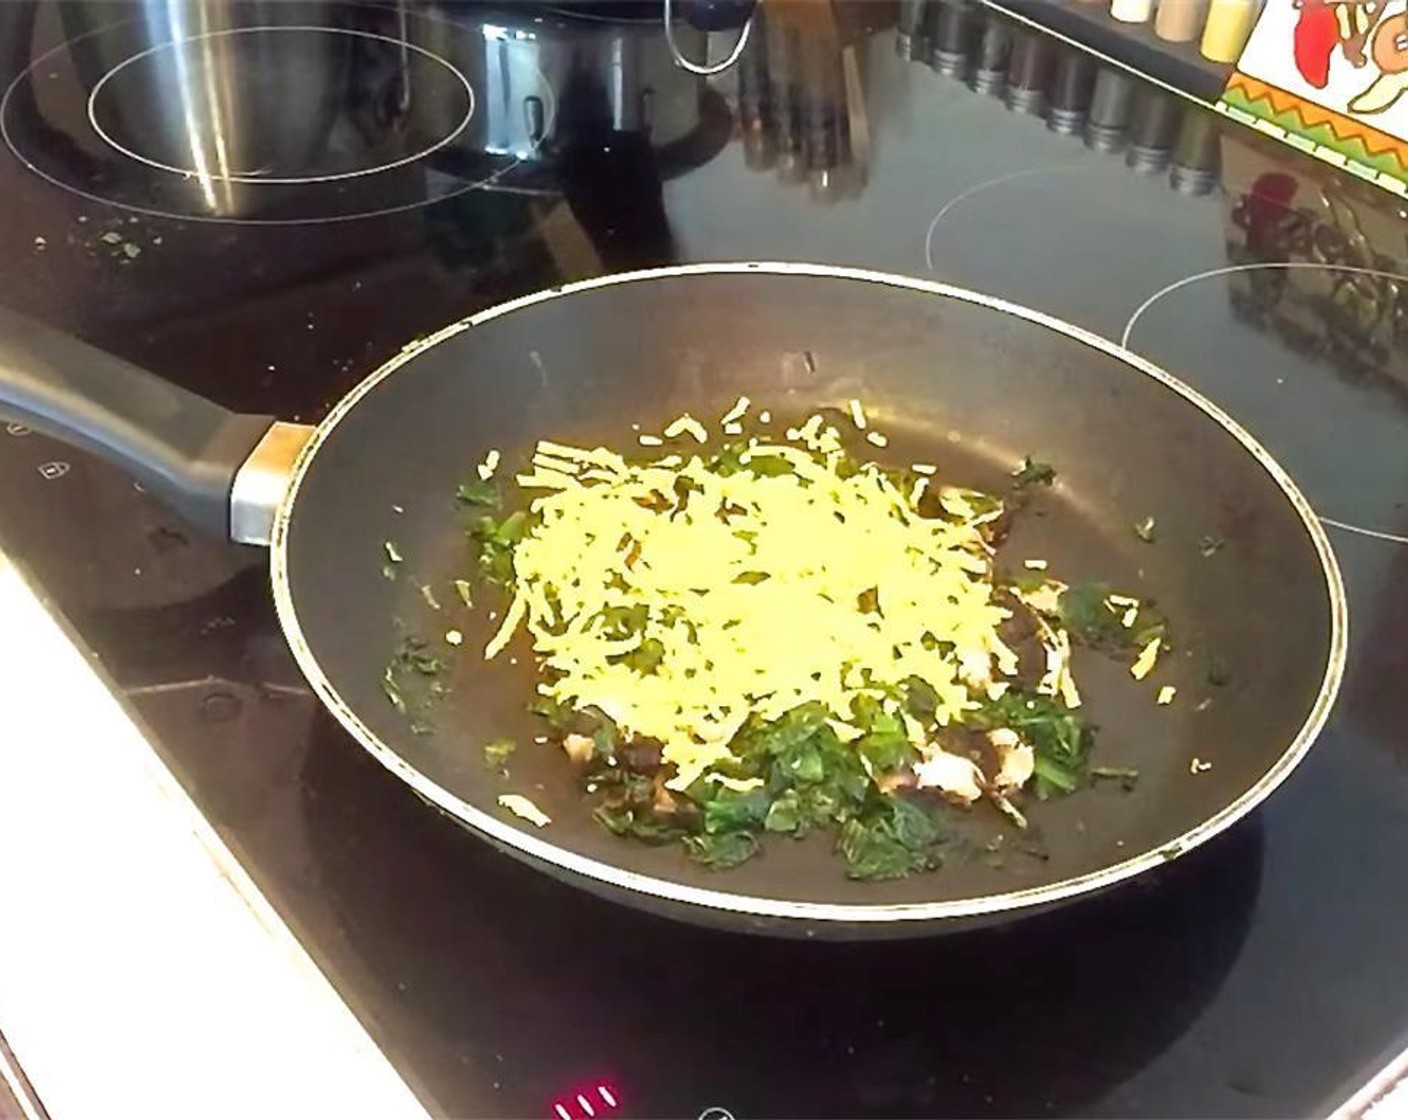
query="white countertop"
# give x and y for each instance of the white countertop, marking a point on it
(141, 970)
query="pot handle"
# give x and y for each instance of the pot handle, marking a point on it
(182, 448)
(711, 15)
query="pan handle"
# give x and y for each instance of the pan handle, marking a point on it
(182, 448)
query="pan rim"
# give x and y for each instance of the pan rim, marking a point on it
(540, 850)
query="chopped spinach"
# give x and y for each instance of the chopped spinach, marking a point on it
(723, 850)
(484, 492)
(411, 681)
(785, 814)
(1086, 613)
(496, 754)
(1144, 530)
(735, 457)
(557, 714)
(415, 654)
(1059, 738)
(735, 812)
(1033, 473)
(885, 743)
(496, 540)
(894, 837)
(626, 820)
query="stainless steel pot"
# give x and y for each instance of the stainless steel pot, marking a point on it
(616, 72)
(187, 87)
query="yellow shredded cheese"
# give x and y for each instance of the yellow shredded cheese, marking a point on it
(736, 412)
(1144, 663)
(746, 621)
(687, 424)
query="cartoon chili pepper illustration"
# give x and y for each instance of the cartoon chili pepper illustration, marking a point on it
(1316, 34)
(1324, 24)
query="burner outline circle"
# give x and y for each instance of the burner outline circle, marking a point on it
(27, 74)
(294, 180)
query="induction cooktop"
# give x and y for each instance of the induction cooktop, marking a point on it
(265, 201)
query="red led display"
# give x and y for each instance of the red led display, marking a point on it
(591, 1103)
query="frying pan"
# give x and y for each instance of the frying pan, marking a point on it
(954, 377)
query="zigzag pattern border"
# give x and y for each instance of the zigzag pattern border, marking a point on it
(1387, 167)
(1345, 129)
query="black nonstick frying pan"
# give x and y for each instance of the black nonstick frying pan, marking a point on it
(961, 380)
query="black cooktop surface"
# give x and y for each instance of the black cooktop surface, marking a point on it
(264, 202)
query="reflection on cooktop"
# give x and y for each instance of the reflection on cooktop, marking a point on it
(285, 113)
(231, 84)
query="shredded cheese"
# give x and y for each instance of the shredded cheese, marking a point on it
(1144, 663)
(747, 622)
(736, 412)
(687, 424)
(521, 806)
(489, 465)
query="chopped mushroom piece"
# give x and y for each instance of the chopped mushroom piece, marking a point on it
(1011, 811)
(958, 779)
(579, 748)
(1016, 760)
(894, 781)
